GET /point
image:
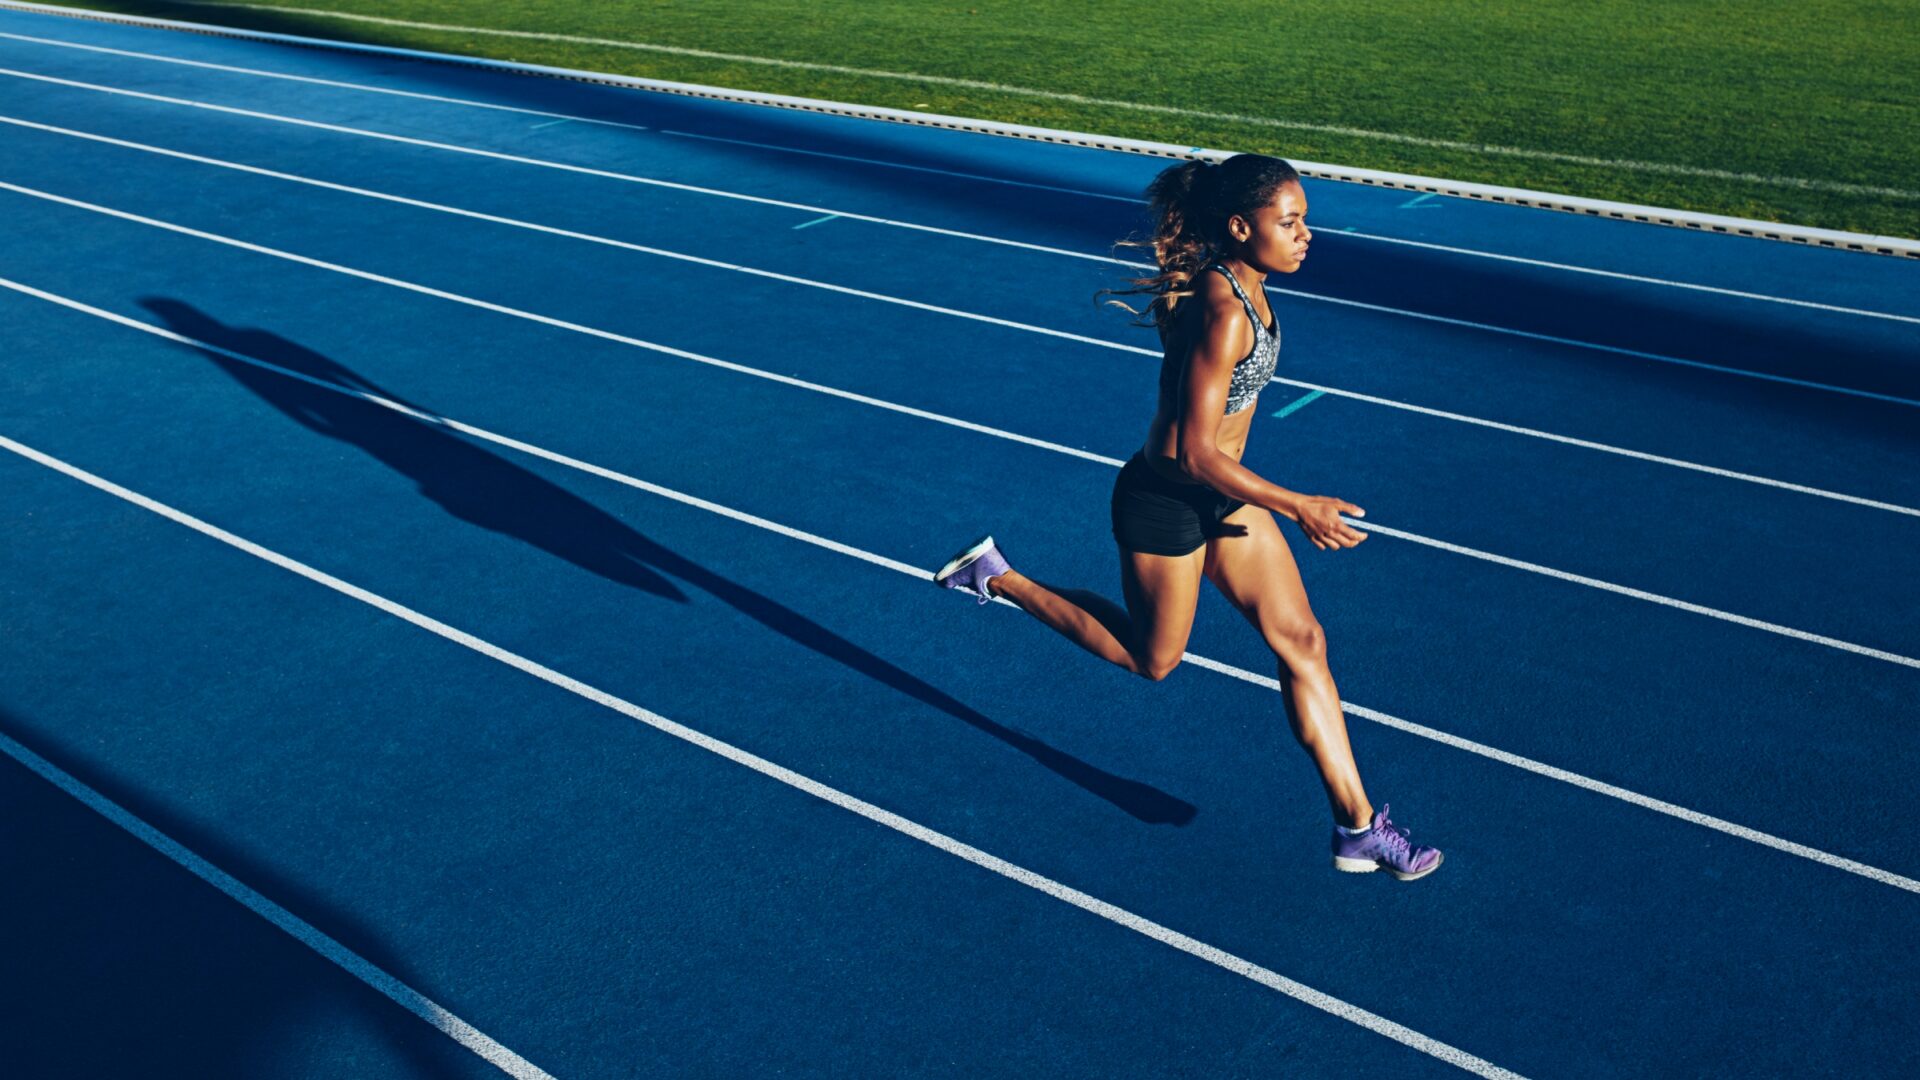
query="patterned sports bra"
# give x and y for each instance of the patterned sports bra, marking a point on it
(1252, 373)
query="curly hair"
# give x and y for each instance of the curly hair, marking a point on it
(1190, 205)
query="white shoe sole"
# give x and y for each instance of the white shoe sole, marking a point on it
(1368, 866)
(961, 560)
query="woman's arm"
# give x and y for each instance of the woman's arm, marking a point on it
(1221, 339)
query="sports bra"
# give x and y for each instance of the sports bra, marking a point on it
(1254, 370)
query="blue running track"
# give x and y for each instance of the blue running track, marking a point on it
(399, 452)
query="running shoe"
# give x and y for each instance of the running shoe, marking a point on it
(1385, 845)
(971, 569)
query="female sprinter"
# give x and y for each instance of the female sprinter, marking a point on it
(1186, 508)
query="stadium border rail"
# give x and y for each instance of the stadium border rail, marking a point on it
(1898, 247)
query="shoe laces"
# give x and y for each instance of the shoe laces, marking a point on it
(1392, 836)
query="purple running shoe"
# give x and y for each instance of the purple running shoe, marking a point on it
(971, 568)
(1384, 845)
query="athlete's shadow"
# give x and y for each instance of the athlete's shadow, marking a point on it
(120, 963)
(480, 487)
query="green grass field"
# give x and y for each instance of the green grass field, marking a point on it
(1805, 112)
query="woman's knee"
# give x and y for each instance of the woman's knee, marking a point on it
(1154, 667)
(1300, 644)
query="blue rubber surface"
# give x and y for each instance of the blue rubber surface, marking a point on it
(606, 900)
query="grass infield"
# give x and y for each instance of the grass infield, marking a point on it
(1805, 112)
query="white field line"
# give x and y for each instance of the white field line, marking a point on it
(933, 230)
(924, 414)
(1665, 168)
(1386, 402)
(1119, 916)
(300, 930)
(1661, 806)
(1079, 192)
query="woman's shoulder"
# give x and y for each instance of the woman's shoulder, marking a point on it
(1212, 308)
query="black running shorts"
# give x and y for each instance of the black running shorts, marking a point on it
(1157, 515)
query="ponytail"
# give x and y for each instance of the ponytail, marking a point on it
(1189, 205)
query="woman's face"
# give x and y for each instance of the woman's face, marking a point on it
(1275, 240)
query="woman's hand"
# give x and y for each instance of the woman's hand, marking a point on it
(1319, 517)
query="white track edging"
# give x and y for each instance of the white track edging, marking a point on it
(1687, 219)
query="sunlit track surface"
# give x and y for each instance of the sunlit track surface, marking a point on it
(716, 403)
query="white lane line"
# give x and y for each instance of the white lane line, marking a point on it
(300, 930)
(1076, 192)
(1079, 192)
(937, 231)
(1112, 913)
(1587, 783)
(334, 83)
(1617, 350)
(1667, 168)
(562, 324)
(570, 234)
(1604, 448)
(924, 414)
(1101, 342)
(1641, 594)
(1641, 279)
(1647, 802)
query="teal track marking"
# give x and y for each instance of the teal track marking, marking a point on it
(1298, 403)
(817, 221)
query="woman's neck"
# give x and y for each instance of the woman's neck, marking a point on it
(1243, 271)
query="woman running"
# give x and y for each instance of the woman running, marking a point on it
(1185, 507)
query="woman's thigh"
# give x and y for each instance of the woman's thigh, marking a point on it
(1162, 592)
(1255, 571)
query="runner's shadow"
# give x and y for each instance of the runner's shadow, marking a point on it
(484, 489)
(122, 963)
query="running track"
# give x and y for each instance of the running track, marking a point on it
(397, 461)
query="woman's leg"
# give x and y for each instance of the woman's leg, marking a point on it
(1148, 637)
(1257, 573)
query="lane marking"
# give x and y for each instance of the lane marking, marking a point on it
(1419, 201)
(1351, 395)
(1642, 279)
(934, 230)
(1084, 901)
(548, 124)
(292, 925)
(1642, 594)
(1297, 404)
(1077, 192)
(1552, 772)
(1350, 229)
(1666, 168)
(335, 83)
(815, 221)
(623, 339)
(1617, 350)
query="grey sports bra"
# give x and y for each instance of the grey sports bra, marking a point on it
(1252, 373)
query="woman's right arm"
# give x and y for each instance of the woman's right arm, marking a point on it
(1222, 337)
